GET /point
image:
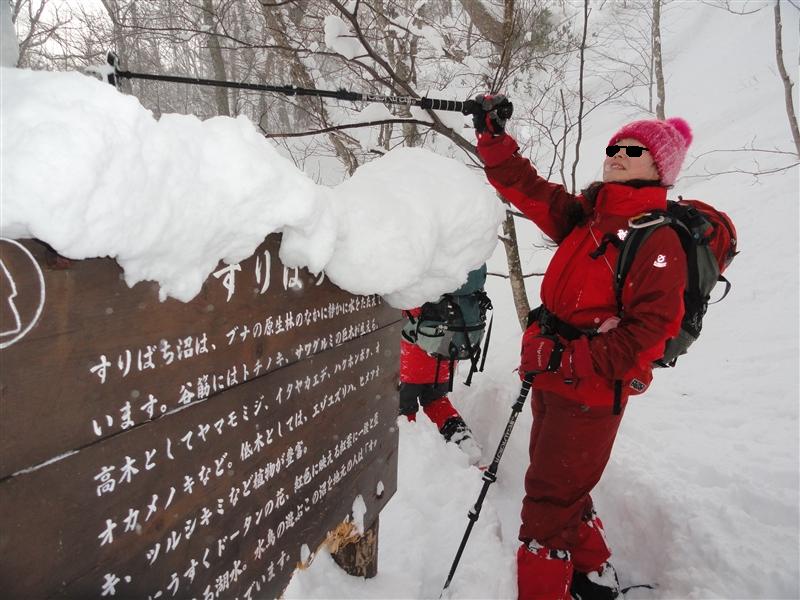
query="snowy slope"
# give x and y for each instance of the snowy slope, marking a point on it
(701, 495)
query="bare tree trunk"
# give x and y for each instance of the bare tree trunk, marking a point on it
(299, 73)
(659, 68)
(510, 243)
(489, 27)
(410, 131)
(221, 94)
(385, 136)
(787, 82)
(401, 55)
(651, 76)
(120, 41)
(515, 274)
(580, 92)
(35, 18)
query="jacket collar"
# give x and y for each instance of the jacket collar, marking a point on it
(626, 201)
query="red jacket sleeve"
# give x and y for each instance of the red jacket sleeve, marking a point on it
(652, 308)
(547, 204)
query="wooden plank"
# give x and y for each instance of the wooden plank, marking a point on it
(92, 358)
(210, 505)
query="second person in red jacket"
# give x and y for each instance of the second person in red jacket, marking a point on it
(588, 353)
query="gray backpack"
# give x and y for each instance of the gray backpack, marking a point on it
(453, 327)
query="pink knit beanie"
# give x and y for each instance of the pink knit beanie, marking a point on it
(666, 141)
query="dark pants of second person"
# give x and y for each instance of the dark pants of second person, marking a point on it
(415, 395)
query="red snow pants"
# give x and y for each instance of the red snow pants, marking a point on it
(424, 382)
(570, 446)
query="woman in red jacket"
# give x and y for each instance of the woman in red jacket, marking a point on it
(588, 353)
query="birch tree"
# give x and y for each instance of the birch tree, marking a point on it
(785, 79)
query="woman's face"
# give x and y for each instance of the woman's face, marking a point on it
(622, 167)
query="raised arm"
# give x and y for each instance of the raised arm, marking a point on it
(549, 205)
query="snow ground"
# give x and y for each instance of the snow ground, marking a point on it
(701, 494)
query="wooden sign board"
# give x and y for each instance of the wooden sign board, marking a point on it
(184, 450)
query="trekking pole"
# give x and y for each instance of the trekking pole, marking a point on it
(466, 107)
(490, 475)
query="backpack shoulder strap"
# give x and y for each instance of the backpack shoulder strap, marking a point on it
(686, 222)
(640, 229)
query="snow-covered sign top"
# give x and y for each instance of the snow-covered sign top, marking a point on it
(92, 173)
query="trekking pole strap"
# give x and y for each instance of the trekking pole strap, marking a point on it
(486, 343)
(727, 289)
(490, 477)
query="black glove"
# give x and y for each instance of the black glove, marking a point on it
(490, 113)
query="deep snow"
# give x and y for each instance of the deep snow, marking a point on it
(169, 198)
(701, 494)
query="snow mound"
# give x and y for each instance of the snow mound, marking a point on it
(92, 173)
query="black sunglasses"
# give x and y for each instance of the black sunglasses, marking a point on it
(632, 151)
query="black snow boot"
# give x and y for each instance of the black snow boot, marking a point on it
(455, 430)
(597, 585)
(454, 427)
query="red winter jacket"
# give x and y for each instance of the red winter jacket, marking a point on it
(580, 290)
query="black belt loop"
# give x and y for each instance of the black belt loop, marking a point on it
(617, 396)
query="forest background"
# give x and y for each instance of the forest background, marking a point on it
(701, 496)
(551, 57)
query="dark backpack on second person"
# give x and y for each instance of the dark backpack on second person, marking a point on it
(708, 237)
(453, 327)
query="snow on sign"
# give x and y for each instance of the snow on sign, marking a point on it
(187, 450)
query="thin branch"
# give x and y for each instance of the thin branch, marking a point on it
(786, 80)
(743, 172)
(728, 8)
(580, 93)
(517, 214)
(351, 17)
(438, 126)
(747, 150)
(764, 151)
(504, 276)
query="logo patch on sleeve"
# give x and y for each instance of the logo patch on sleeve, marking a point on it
(660, 262)
(637, 385)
